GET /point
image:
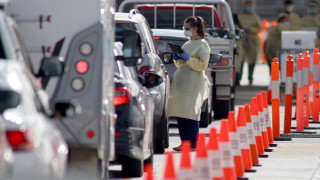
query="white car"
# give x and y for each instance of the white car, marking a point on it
(6, 154)
(40, 151)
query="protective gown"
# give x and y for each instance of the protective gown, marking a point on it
(250, 42)
(190, 86)
(310, 20)
(294, 21)
(273, 41)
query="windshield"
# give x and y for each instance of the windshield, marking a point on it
(165, 17)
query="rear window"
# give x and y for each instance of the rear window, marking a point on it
(165, 16)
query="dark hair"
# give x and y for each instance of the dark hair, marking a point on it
(287, 2)
(197, 22)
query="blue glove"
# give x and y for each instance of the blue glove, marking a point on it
(175, 57)
(184, 55)
(247, 30)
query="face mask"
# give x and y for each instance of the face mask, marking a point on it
(248, 9)
(187, 33)
(312, 11)
(289, 8)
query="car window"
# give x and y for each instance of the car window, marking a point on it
(120, 27)
(2, 53)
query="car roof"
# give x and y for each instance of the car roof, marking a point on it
(169, 33)
(126, 17)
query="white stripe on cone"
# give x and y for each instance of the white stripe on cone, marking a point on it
(256, 125)
(267, 117)
(201, 169)
(227, 158)
(186, 174)
(215, 164)
(235, 144)
(250, 133)
(243, 137)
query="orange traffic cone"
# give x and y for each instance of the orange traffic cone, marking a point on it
(268, 121)
(169, 173)
(252, 141)
(215, 156)
(149, 171)
(186, 171)
(236, 153)
(256, 127)
(262, 123)
(227, 163)
(201, 165)
(244, 141)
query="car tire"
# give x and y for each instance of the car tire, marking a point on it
(149, 160)
(159, 146)
(166, 139)
(131, 167)
(221, 109)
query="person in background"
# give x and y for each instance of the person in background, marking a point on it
(251, 42)
(313, 17)
(272, 47)
(293, 19)
(190, 85)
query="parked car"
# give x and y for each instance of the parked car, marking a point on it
(39, 148)
(83, 40)
(151, 63)
(162, 37)
(135, 108)
(6, 154)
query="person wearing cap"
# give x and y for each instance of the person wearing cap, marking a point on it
(293, 19)
(251, 42)
(272, 47)
(313, 17)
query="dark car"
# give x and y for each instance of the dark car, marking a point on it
(151, 63)
(134, 126)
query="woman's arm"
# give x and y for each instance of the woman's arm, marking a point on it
(201, 63)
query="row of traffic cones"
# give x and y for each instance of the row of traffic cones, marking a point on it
(233, 152)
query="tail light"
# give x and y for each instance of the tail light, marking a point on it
(144, 69)
(122, 96)
(82, 67)
(19, 140)
(156, 37)
(223, 62)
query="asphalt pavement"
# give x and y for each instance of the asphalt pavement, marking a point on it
(298, 159)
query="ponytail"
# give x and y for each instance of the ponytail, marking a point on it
(197, 22)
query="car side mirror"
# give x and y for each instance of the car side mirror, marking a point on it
(8, 99)
(132, 48)
(152, 80)
(240, 33)
(50, 67)
(66, 109)
(215, 58)
(167, 57)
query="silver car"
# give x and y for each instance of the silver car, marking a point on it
(39, 149)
